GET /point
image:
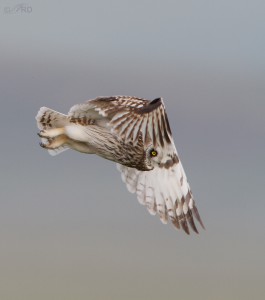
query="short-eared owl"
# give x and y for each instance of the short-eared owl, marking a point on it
(134, 133)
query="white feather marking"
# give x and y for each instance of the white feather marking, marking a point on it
(140, 189)
(181, 173)
(179, 210)
(120, 167)
(156, 122)
(170, 208)
(131, 180)
(129, 176)
(191, 203)
(169, 194)
(179, 189)
(150, 196)
(143, 128)
(185, 208)
(120, 115)
(137, 129)
(148, 125)
(124, 127)
(123, 176)
(100, 111)
(130, 128)
(160, 203)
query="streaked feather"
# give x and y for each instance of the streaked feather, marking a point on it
(123, 129)
(162, 193)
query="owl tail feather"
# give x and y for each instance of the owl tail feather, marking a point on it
(50, 120)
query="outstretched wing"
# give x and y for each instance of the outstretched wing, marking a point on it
(166, 192)
(163, 190)
(149, 120)
(129, 117)
(106, 107)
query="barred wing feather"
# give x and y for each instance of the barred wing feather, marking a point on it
(107, 107)
(128, 117)
(164, 192)
(150, 120)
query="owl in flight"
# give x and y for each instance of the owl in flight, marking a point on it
(134, 133)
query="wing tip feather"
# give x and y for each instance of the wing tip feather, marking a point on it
(151, 106)
(197, 216)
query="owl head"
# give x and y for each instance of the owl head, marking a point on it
(157, 156)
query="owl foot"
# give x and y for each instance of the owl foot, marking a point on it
(53, 143)
(40, 134)
(51, 133)
(47, 146)
(44, 145)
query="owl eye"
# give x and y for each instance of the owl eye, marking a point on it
(153, 152)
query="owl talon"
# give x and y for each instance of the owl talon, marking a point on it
(53, 143)
(51, 133)
(43, 145)
(42, 134)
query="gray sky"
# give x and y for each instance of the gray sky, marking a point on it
(68, 227)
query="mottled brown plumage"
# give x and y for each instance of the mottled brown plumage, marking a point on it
(134, 133)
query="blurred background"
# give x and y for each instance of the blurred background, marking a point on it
(68, 227)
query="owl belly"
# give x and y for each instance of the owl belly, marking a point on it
(93, 139)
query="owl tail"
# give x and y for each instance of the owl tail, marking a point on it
(49, 120)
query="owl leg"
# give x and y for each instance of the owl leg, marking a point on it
(54, 143)
(51, 133)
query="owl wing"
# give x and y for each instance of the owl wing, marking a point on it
(166, 192)
(127, 117)
(106, 107)
(163, 190)
(149, 120)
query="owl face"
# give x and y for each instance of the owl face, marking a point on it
(154, 156)
(160, 157)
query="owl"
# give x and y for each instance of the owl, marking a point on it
(134, 133)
